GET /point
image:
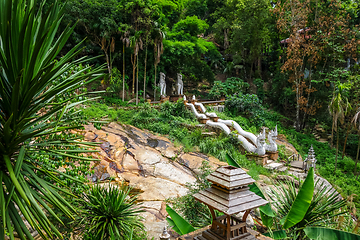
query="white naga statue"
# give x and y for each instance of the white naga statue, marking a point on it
(272, 136)
(179, 84)
(260, 142)
(162, 84)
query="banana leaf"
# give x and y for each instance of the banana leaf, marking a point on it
(231, 161)
(280, 234)
(173, 225)
(265, 209)
(302, 202)
(319, 233)
(181, 225)
(266, 220)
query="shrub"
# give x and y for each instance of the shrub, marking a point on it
(230, 86)
(177, 109)
(246, 105)
(111, 213)
(196, 213)
(116, 83)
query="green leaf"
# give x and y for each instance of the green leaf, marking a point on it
(183, 226)
(231, 161)
(265, 209)
(319, 233)
(302, 201)
(280, 234)
(266, 220)
(173, 226)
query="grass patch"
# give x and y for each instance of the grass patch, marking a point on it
(171, 120)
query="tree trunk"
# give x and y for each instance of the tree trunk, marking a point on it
(155, 83)
(137, 80)
(226, 41)
(308, 99)
(357, 154)
(108, 63)
(259, 66)
(134, 68)
(123, 93)
(145, 73)
(347, 134)
(297, 124)
(332, 132)
(337, 147)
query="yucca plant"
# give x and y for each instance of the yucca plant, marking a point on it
(29, 65)
(111, 213)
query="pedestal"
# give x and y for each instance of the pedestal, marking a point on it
(174, 98)
(260, 160)
(203, 120)
(273, 155)
(164, 99)
(214, 119)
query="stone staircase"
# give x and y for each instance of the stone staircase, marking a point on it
(295, 166)
(275, 166)
(320, 134)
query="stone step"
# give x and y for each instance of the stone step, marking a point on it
(296, 170)
(274, 166)
(209, 134)
(269, 161)
(283, 169)
(297, 164)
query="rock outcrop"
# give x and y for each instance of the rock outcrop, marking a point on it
(151, 164)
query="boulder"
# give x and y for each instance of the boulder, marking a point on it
(155, 189)
(169, 171)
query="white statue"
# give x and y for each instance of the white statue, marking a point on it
(260, 142)
(179, 84)
(272, 136)
(162, 84)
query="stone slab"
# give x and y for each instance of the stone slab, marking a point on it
(274, 166)
(297, 164)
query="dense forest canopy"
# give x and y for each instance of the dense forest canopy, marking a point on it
(296, 55)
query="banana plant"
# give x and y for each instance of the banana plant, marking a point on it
(320, 233)
(29, 65)
(178, 223)
(304, 209)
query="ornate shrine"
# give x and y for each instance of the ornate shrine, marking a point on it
(230, 195)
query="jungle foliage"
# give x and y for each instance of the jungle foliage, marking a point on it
(298, 58)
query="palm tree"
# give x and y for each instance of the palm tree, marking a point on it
(338, 108)
(126, 42)
(356, 120)
(158, 49)
(29, 63)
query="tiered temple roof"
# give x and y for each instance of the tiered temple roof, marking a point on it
(230, 194)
